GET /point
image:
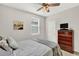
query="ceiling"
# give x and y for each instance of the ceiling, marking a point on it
(32, 7)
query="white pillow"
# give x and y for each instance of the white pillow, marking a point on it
(5, 46)
(12, 43)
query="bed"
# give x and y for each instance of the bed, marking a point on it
(33, 48)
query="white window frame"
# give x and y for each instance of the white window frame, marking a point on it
(34, 19)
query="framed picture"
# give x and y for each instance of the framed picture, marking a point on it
(35, 26)
(17, 25)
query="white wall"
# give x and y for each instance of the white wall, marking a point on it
(8, 15)
(51, 32)
(70, 16)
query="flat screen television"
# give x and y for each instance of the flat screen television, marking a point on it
(64, 26)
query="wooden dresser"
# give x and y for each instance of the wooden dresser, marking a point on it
(65, 40)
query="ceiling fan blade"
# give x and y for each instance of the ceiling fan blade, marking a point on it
(39, 9)
(54, 4)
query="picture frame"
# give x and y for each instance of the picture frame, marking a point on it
(18, 25)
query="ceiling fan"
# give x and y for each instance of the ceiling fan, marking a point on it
(45, 6)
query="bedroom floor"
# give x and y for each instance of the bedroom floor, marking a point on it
(68, 54)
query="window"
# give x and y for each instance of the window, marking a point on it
(35, 26)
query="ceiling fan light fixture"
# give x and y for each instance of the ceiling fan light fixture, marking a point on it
(46, 6)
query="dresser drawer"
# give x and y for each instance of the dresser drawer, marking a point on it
(66, 47)
(65, 39)
(65, 43)
(61, 32)
(68, 33)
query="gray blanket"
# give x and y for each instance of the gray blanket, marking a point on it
(32, 48)
(55, 47)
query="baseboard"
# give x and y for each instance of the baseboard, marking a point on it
(76, 53)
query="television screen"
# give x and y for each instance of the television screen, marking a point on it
(64, 25)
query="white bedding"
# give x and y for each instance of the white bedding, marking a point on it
(4, 53)
(32, 48)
